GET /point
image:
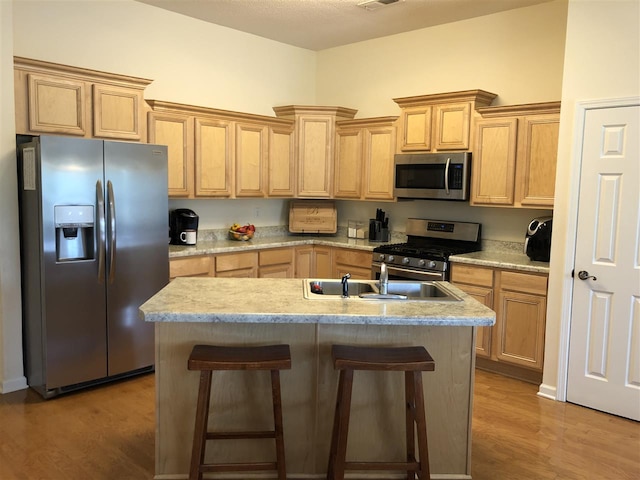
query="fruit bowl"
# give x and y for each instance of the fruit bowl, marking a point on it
(240, 236)
(241, 232)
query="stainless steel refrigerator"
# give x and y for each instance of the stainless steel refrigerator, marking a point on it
(94, 247)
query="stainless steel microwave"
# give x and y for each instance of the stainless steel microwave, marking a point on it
(432, 176)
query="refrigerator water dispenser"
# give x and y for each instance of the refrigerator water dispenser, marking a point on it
(74, 232)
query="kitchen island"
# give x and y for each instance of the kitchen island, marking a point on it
(263, 311)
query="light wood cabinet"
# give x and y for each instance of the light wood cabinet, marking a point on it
(198, 266)
(515, 344)
(355, 262)
(276, 263)
(364, 158)
(314, 144)
(225, 154)
(515, 156)
(64, 100)
(241, 265)
(439, 122)
(313, 261)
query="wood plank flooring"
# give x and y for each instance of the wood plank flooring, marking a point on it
(107, 433)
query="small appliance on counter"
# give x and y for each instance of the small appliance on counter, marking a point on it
(183, 226)
(537, 243)
(379, 227)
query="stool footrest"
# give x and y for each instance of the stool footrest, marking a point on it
(239, 435)
(400, 466)
(237, 467)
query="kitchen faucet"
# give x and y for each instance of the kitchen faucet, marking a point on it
(345, 285)
(384, 278)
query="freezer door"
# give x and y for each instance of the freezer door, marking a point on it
(72, 292)
(137, 248)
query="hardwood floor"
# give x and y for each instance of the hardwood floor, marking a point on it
(106, 433)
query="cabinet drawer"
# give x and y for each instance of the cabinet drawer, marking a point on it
(275, 256)
(189, 267)
(524, 282)
(359, 258)
(236, 261)
(472, 275)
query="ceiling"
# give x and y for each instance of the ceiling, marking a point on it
(321, 24)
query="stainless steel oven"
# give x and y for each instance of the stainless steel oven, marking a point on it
(425, 255)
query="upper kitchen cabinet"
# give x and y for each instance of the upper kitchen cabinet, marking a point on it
(364, 158)
(218, 153)
(514, 162)
(314, 146)
(64, 100)
(439, 122)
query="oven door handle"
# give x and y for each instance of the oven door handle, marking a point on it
(419, 275)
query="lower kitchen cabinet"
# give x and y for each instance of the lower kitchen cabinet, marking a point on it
(276, 263)
(242, 265)
(199, 266)
(355, 262)
(313, 261)
(515, 345)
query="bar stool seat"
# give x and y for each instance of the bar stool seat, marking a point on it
(412, 360)
(206, 359)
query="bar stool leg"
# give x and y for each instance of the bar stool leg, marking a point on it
(338, 452)
(421, 425)
(277, 420)
(410, 420)
(200, 431)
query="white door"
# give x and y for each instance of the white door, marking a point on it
(604, 349)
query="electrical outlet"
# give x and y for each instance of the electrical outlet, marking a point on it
(256, 212)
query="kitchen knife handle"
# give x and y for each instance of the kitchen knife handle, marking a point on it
(446, 176)
(111, 204)
(101, 231)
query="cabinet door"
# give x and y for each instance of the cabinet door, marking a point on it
(348, 168)
(379, 149)
(176, 132)
(304, 262)
(251, 160)
(276, 271)
(213, 157)
(452, 126)
(237, 265)
(537, 156)
(315, 167)
(416, 129)
(191, 267)
(117, 112)
(57, 105)
(281, 175)
(322, 262)
(494, 162)
(275, 263)
(355, 262)
(483, 334)
(521, 329)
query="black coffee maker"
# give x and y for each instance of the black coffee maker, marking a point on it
(537, 243)
(183, 226)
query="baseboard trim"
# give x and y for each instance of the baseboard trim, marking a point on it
(548, 391)
(13, 385)
(314, 476)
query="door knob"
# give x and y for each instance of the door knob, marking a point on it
(584, 275)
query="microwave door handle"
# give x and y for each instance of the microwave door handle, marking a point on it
(446, 176)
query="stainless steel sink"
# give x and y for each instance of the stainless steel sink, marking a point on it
(331, 289)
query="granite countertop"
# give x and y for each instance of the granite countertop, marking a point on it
(262, 300)
(495, 254)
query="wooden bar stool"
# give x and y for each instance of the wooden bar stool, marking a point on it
(207, 358)
(410, 360)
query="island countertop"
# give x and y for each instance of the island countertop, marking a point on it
(256, 300)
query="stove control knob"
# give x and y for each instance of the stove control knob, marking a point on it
(391, 258)
(405, 260)
(432, 264)
(381, 257)
(422, 263)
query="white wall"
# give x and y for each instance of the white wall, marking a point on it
(602, 61)
(11, 374)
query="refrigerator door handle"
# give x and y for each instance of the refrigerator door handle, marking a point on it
(111, 204)
(101, 231)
